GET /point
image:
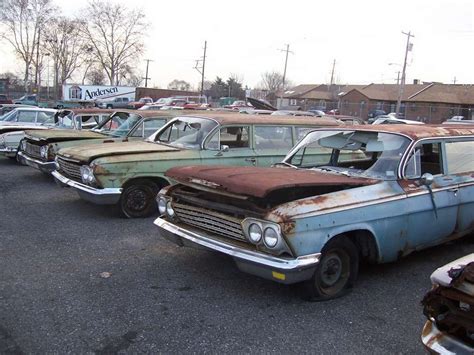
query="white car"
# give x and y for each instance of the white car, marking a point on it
(393, 120)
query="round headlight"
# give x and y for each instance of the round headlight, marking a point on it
(270, 237)
(161, 205)
(169, 209)
(255, 233)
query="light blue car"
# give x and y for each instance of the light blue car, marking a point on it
(341, 195)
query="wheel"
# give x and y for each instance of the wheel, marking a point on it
(138, 199)
(336, 272)
(110, 106)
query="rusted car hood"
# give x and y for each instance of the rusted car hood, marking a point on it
(86, 153)
(15, 126)
(259, 182)
(58, 135)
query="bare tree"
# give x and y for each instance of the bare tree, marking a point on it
(116, 35)
(179, 85)
(22, 22)
(62, 40)
(273, 81)
(95, 76)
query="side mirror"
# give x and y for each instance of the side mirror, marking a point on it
(427, 179)
(224, 148)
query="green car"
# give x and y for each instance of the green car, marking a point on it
(130, 174)
(39, 149)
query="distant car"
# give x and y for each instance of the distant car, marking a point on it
(31, 100)
(238, 104)
(292, 113)
(5, 108)
(317, 112)
(451, 121)
(5, 100)
(448, 306)
(33, 115)
(113, 102)
(140, 103)
(375, 113)
(333, 112)
(350, 120)
(393, 120)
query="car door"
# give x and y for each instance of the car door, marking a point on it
(272, 143)
(230, 145)
(460, 165)
(432, 209)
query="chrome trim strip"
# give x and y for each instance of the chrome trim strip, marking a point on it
(47, 166)
(85, 188)
(240, 253)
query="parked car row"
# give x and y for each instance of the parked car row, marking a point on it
(291, 199)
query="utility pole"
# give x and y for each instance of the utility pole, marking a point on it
(287, 50)
(332, 72)
(37, 65)
(402, 83)
(201, 69)
(146, 73)
(454, 81)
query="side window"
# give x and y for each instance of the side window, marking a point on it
(118, 99)
(151, 126)
(460, 157)
(44, 116)
(271, 137)
(125, 99)
(427, 158)
(26, 116)
(89, 121)
(235, 137)
(301, 132)
(138, 132)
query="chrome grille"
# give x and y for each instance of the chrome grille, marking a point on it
(32, 150)
(68, 168)
(211, 221)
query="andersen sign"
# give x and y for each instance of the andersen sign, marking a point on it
(94, 92)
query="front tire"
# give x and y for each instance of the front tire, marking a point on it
(138, 199)
(336, 272)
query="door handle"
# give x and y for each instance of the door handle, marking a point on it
(455, 190)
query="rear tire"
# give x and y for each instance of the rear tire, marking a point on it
(138, 199)
(110, 106)
(336, 272)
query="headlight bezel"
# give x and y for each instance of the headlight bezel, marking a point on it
(279, 247)
(87, 174)
(44, 151)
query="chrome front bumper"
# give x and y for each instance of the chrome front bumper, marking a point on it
(8, 152)
(437, 342)
(44, 166)
(283, 270)
(108, 196)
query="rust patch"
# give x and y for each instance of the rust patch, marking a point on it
(288, 227)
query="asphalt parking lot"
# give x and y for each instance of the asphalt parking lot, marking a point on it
(156, 297)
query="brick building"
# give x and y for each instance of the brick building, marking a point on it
(427, 102)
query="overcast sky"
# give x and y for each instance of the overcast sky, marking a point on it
(244, 38)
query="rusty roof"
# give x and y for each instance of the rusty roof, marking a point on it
(239, 118)
(143, 113)
(417, 132)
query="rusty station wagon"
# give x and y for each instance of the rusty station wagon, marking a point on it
(341, 195)
(39, 149)
(131, 174)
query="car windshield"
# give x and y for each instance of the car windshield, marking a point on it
(352, 153)
(118, 124)
(65, 120)
(10, 116)
(186, 132)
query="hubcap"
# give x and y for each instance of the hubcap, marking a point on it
(331, 269)
(137, 200)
